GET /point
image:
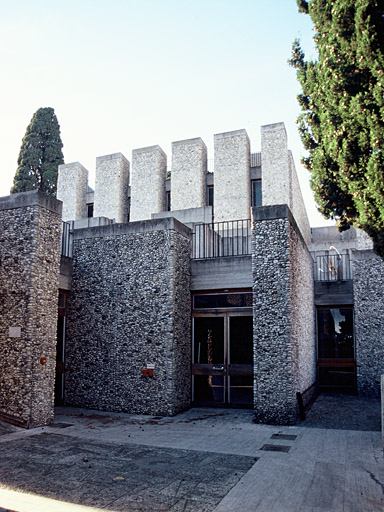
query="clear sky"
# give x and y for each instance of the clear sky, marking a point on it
(123, 74)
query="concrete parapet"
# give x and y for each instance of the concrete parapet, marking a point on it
(111, 187)
(232, 176)
(72, 190)
(149, 167)
(189, 169)
(189, 217)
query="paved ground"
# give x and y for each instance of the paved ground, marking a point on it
(201, 460)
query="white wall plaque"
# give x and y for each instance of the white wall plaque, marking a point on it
(15, 332)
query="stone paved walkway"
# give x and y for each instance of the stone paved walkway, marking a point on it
(200, 460)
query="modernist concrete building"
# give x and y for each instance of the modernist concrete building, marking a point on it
(179, 286)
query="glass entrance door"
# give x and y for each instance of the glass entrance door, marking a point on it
(222, 365)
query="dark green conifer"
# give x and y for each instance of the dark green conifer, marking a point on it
(40, 154)
(342, 123)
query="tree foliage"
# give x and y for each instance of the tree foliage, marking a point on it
(40, 154)
(342, 120)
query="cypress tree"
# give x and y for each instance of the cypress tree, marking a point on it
(40, 154)
(342, 120)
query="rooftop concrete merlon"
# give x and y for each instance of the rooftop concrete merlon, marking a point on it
(72, 184)
(149, 168)
(275, 165)
(297, 203)
(189, 170)
(111, 187)
(232, 176)
(31, 198)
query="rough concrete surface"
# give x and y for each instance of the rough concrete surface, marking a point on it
(199, 460)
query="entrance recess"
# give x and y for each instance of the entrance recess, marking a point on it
(336, 356)
(222, 364)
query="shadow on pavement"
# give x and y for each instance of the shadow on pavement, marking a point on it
(344, 412)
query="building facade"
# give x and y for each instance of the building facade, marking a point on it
(179, 286)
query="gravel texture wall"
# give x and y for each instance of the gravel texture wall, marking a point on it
(368, 291)
(30, 228)
(283, 311)
(129, 307)
(111, 187)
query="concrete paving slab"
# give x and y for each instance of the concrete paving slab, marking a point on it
(200, 460)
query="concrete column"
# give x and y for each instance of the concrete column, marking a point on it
(30, 232)
(232, 192)
(189, 169)
(149, 167)
(72, 185)
(111, 187)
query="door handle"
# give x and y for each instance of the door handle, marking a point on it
(217, 367)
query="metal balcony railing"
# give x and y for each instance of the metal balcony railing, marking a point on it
(220, 239)
(332, 267)
(66, 240)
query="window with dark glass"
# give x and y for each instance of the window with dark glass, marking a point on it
(257, 199)
(168, 201)
(89, 209)
(222, 300)
(335, 333)
(210, 195)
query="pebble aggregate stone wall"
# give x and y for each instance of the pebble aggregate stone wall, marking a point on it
(368, 291)
(111, 187)
(30, 228)
(129, 307)
(283, 315)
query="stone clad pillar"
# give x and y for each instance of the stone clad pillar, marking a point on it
(111, 187)
(232, 192)
(30, 233)
(284, 346)
(72, 185)
(149, 168)
(189, 170)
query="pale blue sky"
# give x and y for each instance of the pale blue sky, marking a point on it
(123, 74)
